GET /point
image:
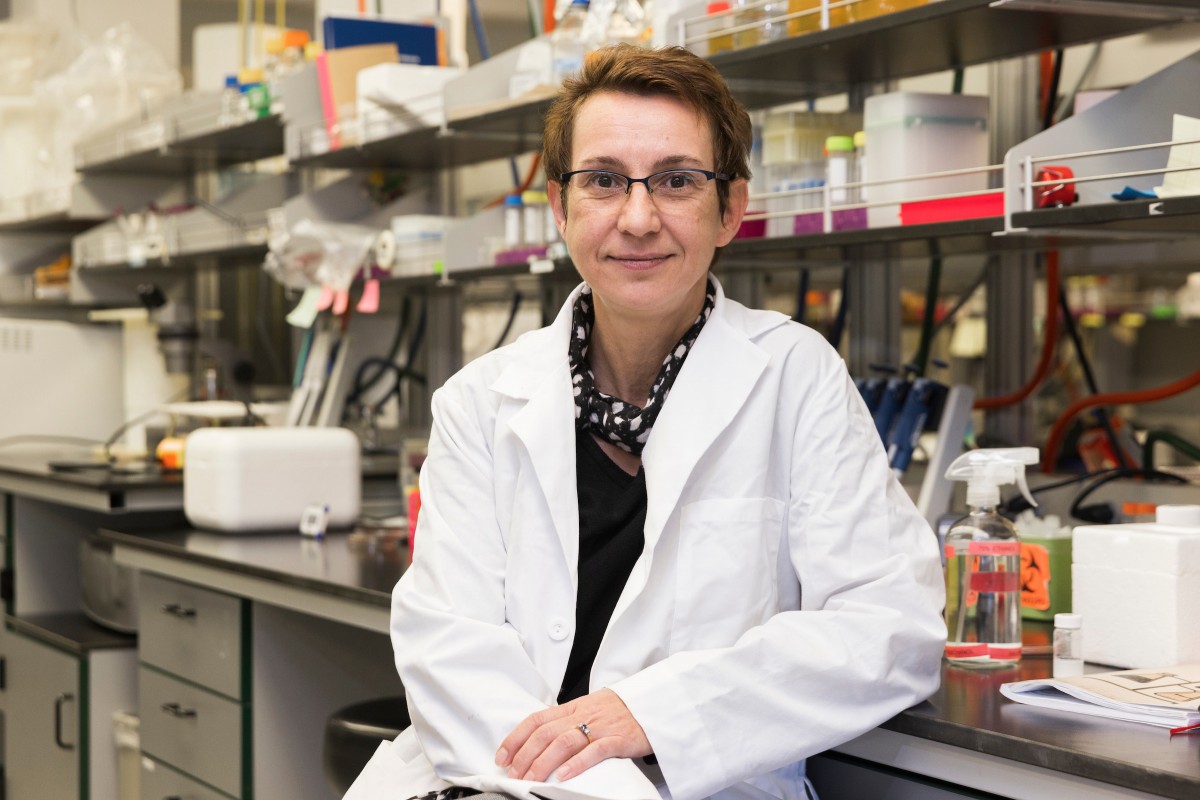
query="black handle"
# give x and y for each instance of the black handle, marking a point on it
(58, 704)
(176, 610)
(176, 710)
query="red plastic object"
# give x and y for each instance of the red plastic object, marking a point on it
(1058, 194)
(921, 212)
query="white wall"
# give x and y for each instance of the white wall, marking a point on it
(156, 21)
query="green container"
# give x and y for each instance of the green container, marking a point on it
(1045, 577)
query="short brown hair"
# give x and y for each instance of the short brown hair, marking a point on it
(668, 71)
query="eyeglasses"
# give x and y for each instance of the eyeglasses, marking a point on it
(668, 184)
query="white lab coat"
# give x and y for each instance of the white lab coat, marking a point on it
(787, 599)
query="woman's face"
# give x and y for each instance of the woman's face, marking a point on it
(644, 256)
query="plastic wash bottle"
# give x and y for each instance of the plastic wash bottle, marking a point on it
(983, 562)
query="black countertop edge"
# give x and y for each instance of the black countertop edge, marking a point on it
(1042, 754)
(70, 631)
(150, 544)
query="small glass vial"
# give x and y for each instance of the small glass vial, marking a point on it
(1068, 645)
(513, 220)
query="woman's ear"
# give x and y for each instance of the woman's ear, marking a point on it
(735, 209)
(558, 206)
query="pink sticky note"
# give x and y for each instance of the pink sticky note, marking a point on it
(341, 301)
(369, 302)
(326, 298)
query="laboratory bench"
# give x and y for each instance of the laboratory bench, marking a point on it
(64, 676)
(965, 740)
(266, 635)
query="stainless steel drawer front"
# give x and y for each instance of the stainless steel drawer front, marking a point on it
(191, 632)
(160, 782)
(193, 730)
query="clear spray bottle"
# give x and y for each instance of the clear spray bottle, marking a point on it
(983, 562)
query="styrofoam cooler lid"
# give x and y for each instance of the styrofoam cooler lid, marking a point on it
(1179, 516)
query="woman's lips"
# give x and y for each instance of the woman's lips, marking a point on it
(639, 262)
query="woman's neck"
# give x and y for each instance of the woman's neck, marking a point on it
(626, 355)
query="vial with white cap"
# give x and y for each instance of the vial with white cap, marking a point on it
(1068, 645)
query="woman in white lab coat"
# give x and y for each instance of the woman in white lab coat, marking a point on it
(661, 552)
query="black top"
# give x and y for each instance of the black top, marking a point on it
(612, 519)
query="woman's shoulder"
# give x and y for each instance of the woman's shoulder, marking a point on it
(775, 332)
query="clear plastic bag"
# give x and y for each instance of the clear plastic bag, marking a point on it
(316, 254)
(118, 77)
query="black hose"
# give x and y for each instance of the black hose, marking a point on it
(512, 317)
(839, 321)
(1178, 442)
(1088, 376)
(801, 298)
(932, 290)
(1052, 94)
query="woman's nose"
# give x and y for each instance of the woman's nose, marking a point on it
(639, 214)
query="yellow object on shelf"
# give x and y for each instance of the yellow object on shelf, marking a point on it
(867, 9)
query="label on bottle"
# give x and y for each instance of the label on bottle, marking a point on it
(995, 581)
(972, 650)
(1008, 548)
(1004, 652)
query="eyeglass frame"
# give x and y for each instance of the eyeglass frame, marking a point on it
(565, 178)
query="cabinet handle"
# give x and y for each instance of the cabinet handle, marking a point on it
(58, 704)
(176, 610)
(176, 710)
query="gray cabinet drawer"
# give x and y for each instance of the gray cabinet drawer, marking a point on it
(193, 730)
(160, 782)
(191, 632)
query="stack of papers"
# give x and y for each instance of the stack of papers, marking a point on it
(1168, 697)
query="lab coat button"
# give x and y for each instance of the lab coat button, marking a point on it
(558, 629)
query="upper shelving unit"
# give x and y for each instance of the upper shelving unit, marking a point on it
(501, 131)
(932, 38)
(195, 132)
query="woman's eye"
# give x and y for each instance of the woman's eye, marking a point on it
(680, 181)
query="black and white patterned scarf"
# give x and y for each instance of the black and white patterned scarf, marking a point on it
(625, 425)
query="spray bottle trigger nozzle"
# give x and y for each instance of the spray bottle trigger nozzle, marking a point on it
(1024, 487)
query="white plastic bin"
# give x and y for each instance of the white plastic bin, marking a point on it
(913, 133)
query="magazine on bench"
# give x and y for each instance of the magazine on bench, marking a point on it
(1168, 697)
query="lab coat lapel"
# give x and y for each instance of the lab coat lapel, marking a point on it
(715, 382)
(545, 424)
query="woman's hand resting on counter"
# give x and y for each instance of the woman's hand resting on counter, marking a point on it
(568, 739)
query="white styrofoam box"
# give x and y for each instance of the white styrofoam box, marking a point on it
(1138, 589)
(412, 88)
(492, 81)
(420, 243)
(472, 242)
(916, 133)
(246, 479)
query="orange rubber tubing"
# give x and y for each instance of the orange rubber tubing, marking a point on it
(1054, 439)
(1049, 342)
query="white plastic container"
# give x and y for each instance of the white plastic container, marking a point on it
(913, 133)
(247, 479)
(1138, 587)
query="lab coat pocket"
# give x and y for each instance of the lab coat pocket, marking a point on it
(727, 579)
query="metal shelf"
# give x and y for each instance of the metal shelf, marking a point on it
(188, 135)
(1139, 220)
(932, 38)
(501, 132)
(187, 236)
